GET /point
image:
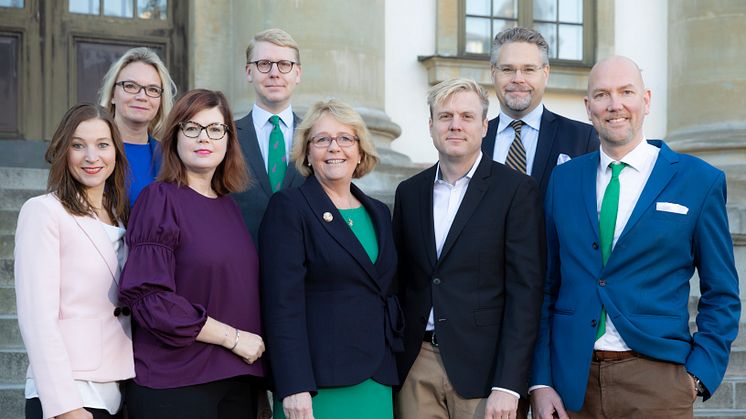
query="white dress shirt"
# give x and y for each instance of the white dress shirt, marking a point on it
(263, 127)
(529, 136)
(632, 179)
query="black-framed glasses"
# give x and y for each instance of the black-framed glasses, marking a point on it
(265, 66)
(215, 131)
(133, 88)
(324, 141)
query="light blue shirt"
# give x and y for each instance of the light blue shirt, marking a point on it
(529, 136)
(263, 128)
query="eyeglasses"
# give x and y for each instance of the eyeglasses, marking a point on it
(134, 88)
(324, 141)
(265, 66)
(215, 131)
(510, 71)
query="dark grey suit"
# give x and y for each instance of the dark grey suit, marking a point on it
(253, 202)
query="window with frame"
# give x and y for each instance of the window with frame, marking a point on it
(565, 24)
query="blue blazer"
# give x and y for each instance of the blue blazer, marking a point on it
(330, 315)
(557, 135)
(645, 283)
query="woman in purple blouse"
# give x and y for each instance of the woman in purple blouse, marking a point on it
(191, 280)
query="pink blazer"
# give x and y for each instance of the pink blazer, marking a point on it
(66, 275)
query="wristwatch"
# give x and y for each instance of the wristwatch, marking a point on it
(698, 385)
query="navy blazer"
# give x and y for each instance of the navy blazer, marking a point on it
(253, 201)
(557, 135)
(645, 283)
(330, 314)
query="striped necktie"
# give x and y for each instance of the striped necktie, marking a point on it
(517, 154)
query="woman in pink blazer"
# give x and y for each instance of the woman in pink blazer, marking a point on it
(69, 251)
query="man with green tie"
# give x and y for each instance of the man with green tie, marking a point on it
(266, 133)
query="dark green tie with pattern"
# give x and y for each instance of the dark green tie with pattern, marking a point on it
(276, 160)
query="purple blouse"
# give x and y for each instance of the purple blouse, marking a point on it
(189, 257)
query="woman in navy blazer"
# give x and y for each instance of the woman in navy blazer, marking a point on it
(328, 263)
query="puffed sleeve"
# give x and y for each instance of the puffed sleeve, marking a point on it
(148, 283)
(38, 284)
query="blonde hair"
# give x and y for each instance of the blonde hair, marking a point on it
(147, 56)
(443, 91)
(273, 36)
(344, 114)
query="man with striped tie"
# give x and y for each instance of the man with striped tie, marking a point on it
(525, 135)
(266, 133)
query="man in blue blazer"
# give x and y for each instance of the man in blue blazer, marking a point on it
(520, 71)
(273, 69)
(626, 228)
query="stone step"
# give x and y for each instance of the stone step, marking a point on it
(7, 301)
(6, 272)
(10, 334)
(7, 243)
(8, 219)
(12, 401)
(13, 199)
(14, 364)
(23, 178)
(720, 413)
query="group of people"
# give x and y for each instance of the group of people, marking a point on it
(183, 263)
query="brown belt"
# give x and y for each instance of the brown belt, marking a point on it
(599, 356)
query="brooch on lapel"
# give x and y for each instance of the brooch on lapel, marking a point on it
(327, 217)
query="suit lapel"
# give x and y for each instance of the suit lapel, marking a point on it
(320, 204)
(588, 174)
(98, 238)
(547, 134)
(474, 193)
(292, 174)
(253, 155)
(663, 172)
(488, 142)
(425, 200)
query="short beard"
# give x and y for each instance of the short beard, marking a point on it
(518, 104)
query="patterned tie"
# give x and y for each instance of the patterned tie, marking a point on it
(517, 154)
(606, 225)
(276, 160)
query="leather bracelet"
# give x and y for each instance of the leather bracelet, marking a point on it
(236, 342)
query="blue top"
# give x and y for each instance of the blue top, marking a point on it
(145, 162)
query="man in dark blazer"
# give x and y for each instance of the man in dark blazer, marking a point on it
(626, 228)
(471, 263)
(520, 71)
(273, 68)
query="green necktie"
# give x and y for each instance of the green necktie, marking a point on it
(606, 225)
(276, 160)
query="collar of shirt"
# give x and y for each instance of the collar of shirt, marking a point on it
(261, 117)
(532, 119)
(640, 158)
(468, 175)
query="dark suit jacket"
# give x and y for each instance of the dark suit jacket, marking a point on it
(253, 202)
(557, 135)
(485, 288)
(331, 317)
(645, 283)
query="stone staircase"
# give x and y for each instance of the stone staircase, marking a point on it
(16, 186)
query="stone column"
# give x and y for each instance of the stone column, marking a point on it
(342, 55)
(707, 118)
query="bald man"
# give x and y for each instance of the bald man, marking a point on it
(626, 228)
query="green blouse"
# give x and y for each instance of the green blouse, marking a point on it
(362, 226)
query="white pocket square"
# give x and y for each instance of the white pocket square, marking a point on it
(671, 207)
(562, 158)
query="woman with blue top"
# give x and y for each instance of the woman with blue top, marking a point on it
(327, 262)
(139, 92)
